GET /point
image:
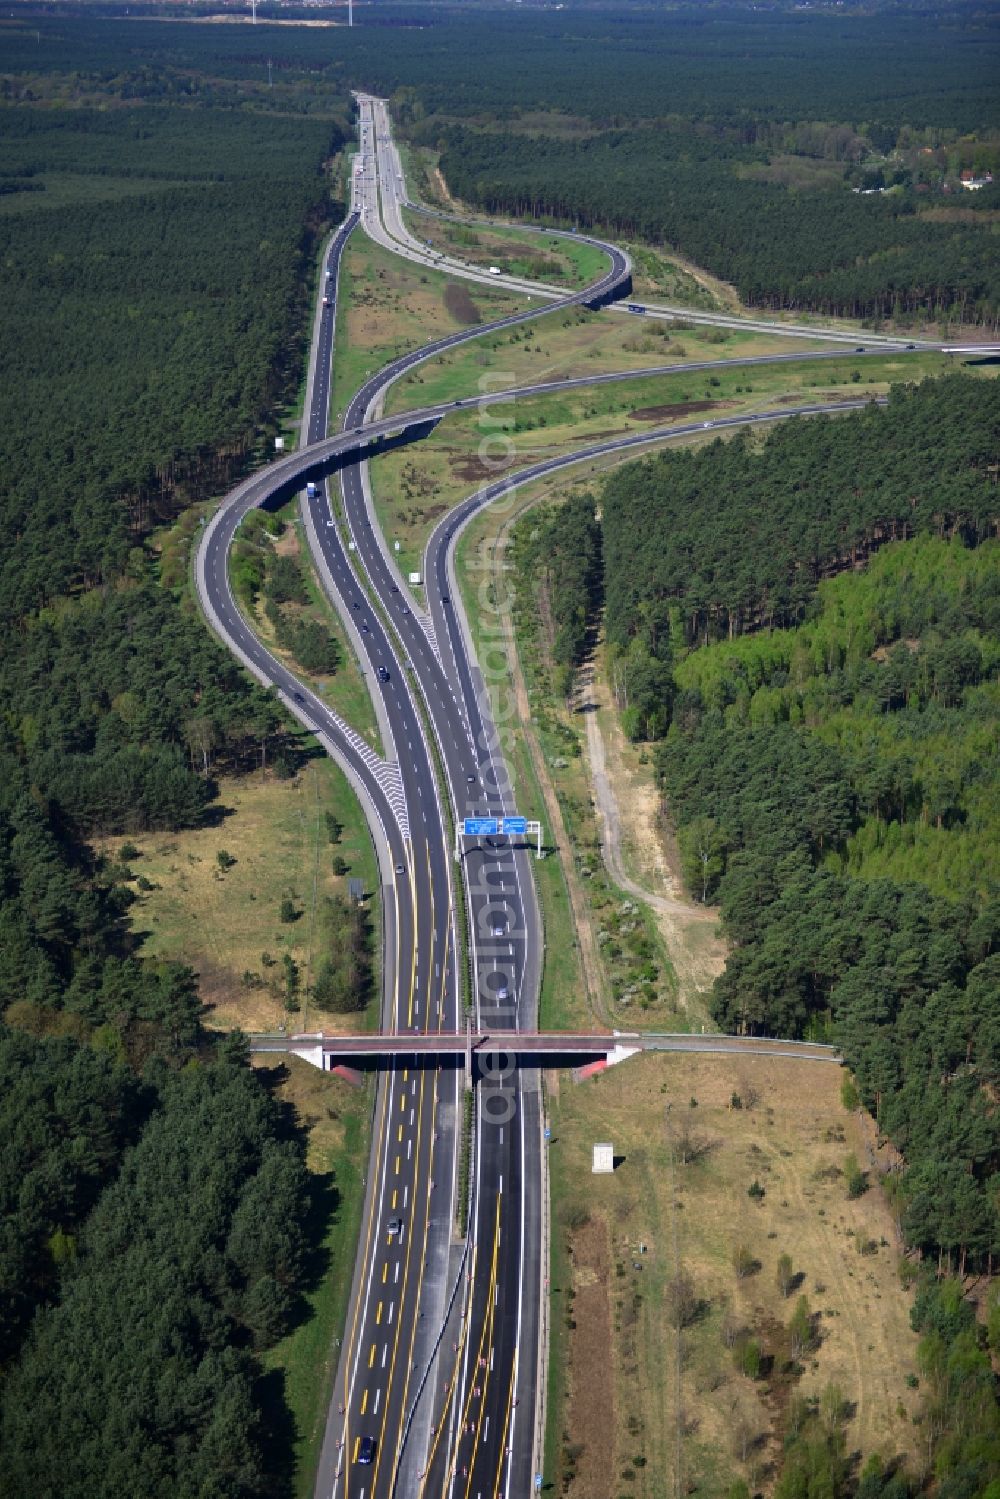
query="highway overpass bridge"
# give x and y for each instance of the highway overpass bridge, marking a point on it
(485, 1052)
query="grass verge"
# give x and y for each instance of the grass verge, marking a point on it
(560, 262)
(643, 1407)
(576, 343)
(388, 306)
(338, 1118)
(413, 486)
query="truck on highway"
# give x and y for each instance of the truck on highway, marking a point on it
(310, 490)
(494, 270)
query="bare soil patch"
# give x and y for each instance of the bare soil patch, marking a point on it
(637, 849)
(591, 1422)
(678, 409)
(460, 304)
(474, 471)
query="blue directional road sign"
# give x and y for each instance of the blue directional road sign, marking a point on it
(478, 827)
(513, 824)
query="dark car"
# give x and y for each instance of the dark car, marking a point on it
(383, 673)
(860, 349)
(298, 697)
(366, 1451)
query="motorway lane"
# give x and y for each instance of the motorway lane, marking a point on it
(409, 1214)
(500, 1154)
(501, 1146)
(503, 919)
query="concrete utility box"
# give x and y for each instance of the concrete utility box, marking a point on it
(415, 578)
(604, 1159)
(279, 444)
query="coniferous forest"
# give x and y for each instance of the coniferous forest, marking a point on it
(804, 631)
(808, 630)
(156, 1230)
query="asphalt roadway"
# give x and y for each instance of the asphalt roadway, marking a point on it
(446, 1411)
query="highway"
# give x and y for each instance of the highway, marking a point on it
(437, 1375)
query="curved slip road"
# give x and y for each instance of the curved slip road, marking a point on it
(476, 1399)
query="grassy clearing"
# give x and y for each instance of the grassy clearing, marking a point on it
(574, 344)
(388, 306)
(562, 262)
(657, 274)
(346, 690)
(413, 486)
(338, 1118)
(634, 1411)
(222, 921)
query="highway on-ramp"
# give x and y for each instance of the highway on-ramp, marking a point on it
(436, 1386)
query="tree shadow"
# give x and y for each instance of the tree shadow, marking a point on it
(278, 1432)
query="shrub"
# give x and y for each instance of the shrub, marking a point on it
(743, 1261)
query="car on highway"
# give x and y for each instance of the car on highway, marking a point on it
(471, 780)
(395, 1228)
(400, 869)
(502, 993)
(383, 672)
(298, 697)
(498, 928)
(364, 627)
(366, 1451)
(860, 349)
